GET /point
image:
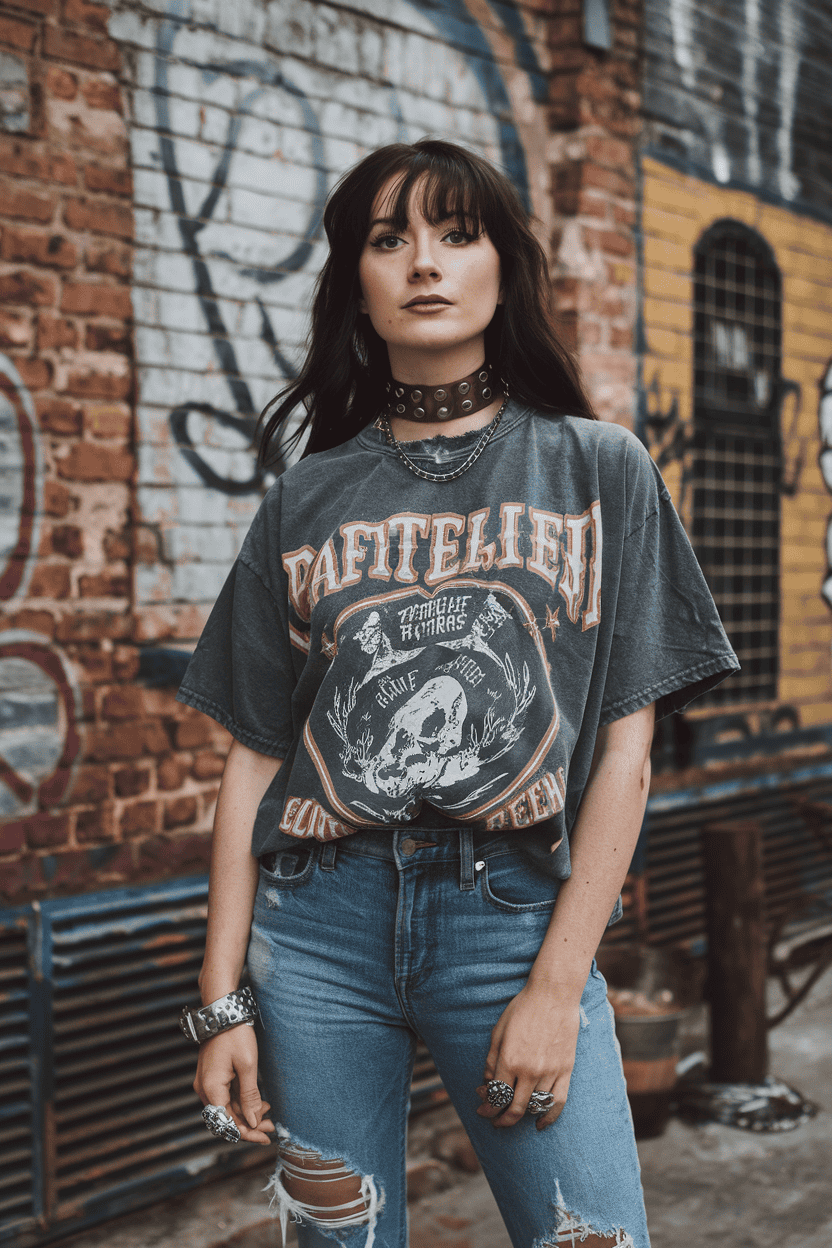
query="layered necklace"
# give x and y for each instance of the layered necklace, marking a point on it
(438, 404)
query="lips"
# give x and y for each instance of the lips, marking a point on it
(427, 299)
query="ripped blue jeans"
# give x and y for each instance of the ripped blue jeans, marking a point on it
(361, 945)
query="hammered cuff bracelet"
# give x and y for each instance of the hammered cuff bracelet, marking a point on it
(234, 1008)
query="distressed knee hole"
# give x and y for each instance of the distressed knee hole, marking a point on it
(572, 1229)
(328, 1192)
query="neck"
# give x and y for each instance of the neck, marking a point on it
(414, 366)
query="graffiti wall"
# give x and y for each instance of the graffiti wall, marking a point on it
(241, 119)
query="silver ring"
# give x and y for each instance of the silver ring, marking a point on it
(499, 1094)
(220, 1124)
(540, 1103)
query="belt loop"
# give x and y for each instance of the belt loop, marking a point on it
(328, 856)
(466, 859)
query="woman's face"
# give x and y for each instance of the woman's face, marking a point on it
(429, 291)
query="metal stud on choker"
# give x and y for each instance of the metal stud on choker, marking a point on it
(440, 403)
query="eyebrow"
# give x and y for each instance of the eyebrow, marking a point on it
(453, 216)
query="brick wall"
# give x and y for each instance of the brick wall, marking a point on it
(596, 121)
(164, 168)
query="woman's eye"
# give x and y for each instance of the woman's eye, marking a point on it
(386, 242)
(458, 236)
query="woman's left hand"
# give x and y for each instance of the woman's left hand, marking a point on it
(533, 1049)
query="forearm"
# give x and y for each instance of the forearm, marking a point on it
(601, 846)
(234, 871)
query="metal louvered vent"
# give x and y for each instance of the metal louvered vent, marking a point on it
(18, 1198)
(797, 860)
(92, 1007)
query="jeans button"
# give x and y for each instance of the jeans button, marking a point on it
(408, 846)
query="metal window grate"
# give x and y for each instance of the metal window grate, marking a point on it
(736, 454)
(18, 1196)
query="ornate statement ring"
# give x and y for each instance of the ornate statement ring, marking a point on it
(540, 1103)
(499, 1094)
(220, 1124)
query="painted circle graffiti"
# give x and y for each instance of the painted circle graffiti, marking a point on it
(39, 737)
(19, 483)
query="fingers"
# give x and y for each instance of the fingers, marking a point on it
(559, 1092)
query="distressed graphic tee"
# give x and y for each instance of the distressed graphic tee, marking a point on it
(457, 644)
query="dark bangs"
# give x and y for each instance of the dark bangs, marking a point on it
(341, 386)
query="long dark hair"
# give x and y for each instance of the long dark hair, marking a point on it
(341, 384)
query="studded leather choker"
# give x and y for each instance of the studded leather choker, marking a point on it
(440, 403)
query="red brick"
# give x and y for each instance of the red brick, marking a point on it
(85, 14)
(175, 855)
(621, 339)
(17, 34)
(55, 332)
(93, 385)
(609, 152)
(116, 546)
(37, 6)
(146, 544)
(108, 420)
(609, 241)
(36, 372)
(117, 741)
(12, 839)
(131, 781)
(105, 178)
(33, 621)
(97, 664)
(38, 247)
(100, 94)
(62, 169)
(97, 299)
(125, 663)
(23, 287)
(21, 159)
(50, 580)
(96, 824)
(45, 831)
(108, 338)
(17, 202)
(171, 773)
(88, 461)
(83, 626)
(208, 765)
(607, 180)
(92, 784)
(61, 83)
(180, 811)
(100, 217)
(21, 880)
(193, 732)
(109, 258)
(139, 818)
(68, 540)
(56, 498)
(63, 45)
(16, 329)
(124, 703)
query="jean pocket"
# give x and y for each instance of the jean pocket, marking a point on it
(286, 868)
(510, 883)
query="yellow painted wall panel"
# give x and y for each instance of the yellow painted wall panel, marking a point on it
(677, 211)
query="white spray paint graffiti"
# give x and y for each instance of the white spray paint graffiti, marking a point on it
(20, 484)
(751, 50)
(790, 38)
(234, 147)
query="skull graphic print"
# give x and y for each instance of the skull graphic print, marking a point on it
(444, 697)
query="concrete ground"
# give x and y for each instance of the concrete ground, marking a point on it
(705, 1186)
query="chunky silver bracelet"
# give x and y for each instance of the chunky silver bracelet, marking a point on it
(234, 1008)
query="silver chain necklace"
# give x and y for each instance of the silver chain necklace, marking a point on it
(488, 434)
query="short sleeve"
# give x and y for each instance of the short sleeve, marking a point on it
(241, 673)
(668, 644)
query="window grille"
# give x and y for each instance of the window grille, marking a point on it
(736, 460)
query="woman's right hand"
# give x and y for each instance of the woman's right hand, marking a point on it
(227, 1075)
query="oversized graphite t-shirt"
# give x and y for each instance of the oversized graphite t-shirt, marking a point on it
(400, 642)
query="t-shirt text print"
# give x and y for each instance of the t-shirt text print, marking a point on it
(401, 642)
(440, 684)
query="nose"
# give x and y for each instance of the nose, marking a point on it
(424, 262)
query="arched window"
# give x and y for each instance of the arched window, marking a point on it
(736, 462)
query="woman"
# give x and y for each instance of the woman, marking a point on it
(440, 654)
